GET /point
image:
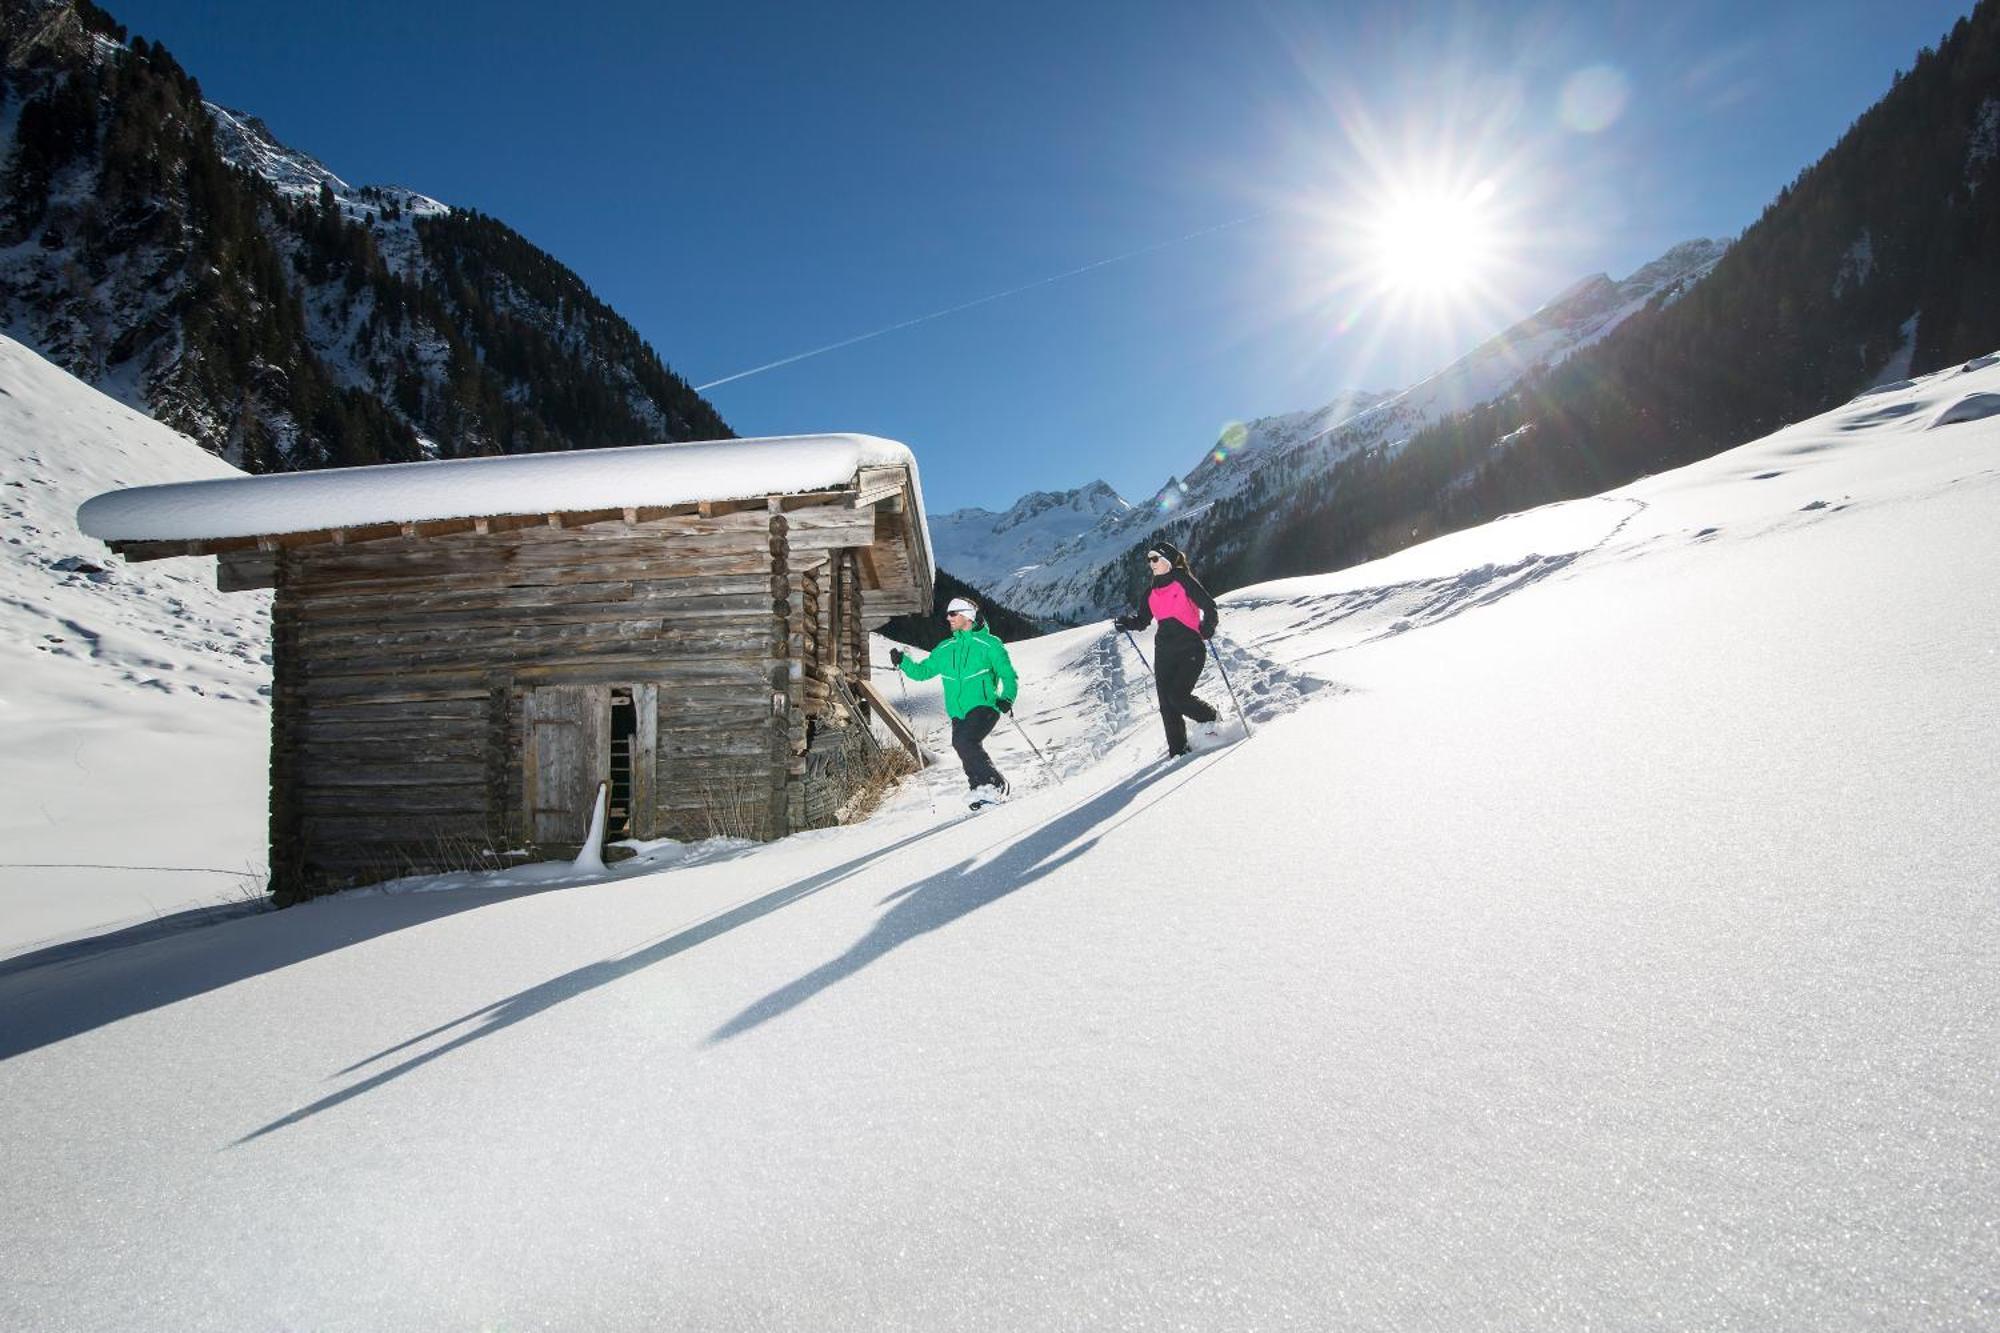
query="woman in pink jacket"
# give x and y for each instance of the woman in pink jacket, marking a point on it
(1186, 614)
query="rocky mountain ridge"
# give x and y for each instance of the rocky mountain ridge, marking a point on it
(1071, 556)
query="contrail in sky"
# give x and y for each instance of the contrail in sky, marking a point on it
(978, 301)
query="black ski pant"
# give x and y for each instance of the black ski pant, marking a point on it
(1178, 658)
(968, 735)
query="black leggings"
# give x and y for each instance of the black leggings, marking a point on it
(967, 736)
(1178, 659)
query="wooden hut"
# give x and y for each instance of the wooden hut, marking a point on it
(464, 650)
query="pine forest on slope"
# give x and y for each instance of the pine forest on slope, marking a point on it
(173, 254)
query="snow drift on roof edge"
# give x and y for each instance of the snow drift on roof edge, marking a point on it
(651, 474)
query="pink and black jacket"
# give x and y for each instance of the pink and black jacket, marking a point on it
(1180, 604)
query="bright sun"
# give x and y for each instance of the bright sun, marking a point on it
(1433, 243)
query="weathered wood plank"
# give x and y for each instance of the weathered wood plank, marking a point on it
(341, 757)
(429, 600)
(898, 726)
(504, 635)
(456, 799)
(392, 772)
(645, 760)
(395, 710)
(393, 688)
(418, 579)
(699, 614)
(346, 727)
(335, 836)
(729, 674)
(542, 646)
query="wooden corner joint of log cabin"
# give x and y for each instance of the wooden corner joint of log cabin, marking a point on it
(244, 571)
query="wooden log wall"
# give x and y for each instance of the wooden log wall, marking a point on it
(784, 674)
(288, 848)
(853, 632)
(402, 665)
(814, 633)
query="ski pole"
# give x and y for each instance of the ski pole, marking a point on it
(1136, 648)
(1247, 732)
(1032, 746)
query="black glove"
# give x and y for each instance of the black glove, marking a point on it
(1004, 705)
(1208, 630)
(896, 657)
(1129, 623)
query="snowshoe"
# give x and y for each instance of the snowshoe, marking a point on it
(984, 796)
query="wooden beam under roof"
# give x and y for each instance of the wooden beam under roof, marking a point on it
(879, 483)
(846, 497)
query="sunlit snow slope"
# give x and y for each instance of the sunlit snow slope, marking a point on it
(132, 697)
(1598, 931)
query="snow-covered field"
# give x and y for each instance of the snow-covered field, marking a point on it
(1599, 930)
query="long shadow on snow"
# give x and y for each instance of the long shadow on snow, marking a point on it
(956, 891)
(924, 906)
(65, 990)
(526, 1004)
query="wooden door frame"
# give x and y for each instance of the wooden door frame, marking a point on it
(645, 816)
(596, 718)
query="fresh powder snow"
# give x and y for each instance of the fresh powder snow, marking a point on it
(1599, 929)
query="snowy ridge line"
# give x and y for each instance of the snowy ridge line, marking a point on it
(282, 169)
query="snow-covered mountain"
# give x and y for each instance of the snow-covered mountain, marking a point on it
(986, 549)
(133, 698)
(1071, 556)
(174, 253)
(1597, 930)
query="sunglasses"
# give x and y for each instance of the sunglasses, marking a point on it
(1154, 555)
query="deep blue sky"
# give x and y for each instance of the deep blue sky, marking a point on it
(745, 181)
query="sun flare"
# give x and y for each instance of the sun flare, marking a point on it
(1435, 243)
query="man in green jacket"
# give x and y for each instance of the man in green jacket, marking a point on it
(979, 685)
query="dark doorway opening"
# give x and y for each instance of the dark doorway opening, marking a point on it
(624, 732)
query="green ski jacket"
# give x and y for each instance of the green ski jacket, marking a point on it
(975, 668)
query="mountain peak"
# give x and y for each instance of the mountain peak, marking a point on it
(1683, 260)
(1081, 506)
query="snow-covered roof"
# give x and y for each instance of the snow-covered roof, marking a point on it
(589, 479)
